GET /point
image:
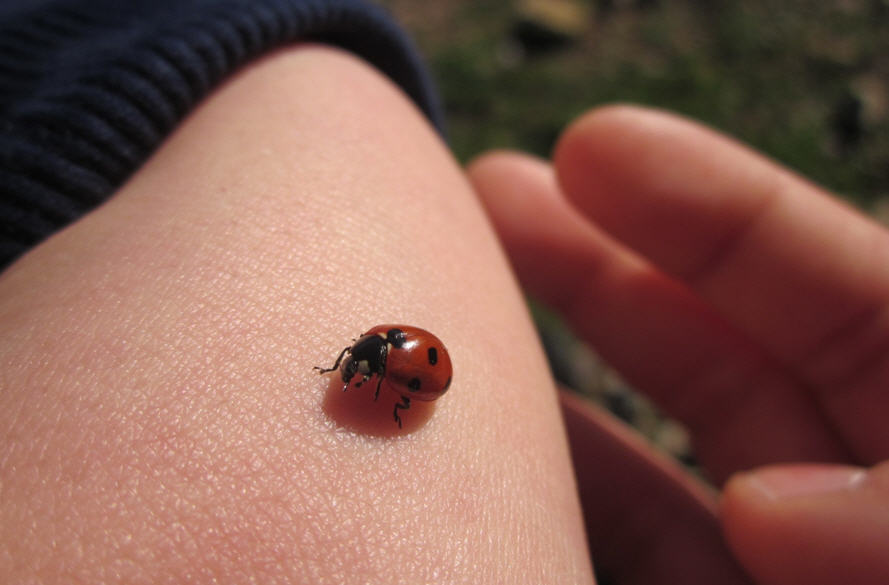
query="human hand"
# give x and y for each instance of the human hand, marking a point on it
(749, 304)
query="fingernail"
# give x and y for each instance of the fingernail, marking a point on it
(789, 481)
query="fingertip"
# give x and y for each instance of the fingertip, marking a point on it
(665, 185)
(809, 523)
(602, 160)
(605, 120)
(514, 188)
(550, 245)
(507, 173)
(597, 146)
(626, 133)
(494, 160)
(740, 508)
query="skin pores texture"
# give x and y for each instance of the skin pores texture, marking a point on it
(161, 421)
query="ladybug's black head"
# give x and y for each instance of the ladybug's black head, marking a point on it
(396, 337)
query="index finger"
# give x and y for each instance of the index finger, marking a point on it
(805, 276)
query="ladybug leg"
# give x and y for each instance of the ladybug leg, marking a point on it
(335, 365)
(377, 393)
(404, 405)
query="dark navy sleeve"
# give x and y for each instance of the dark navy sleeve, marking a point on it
(90, 88)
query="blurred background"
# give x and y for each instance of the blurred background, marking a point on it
(805, 81)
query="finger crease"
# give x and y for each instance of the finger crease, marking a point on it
(723, 250)
(850, 353)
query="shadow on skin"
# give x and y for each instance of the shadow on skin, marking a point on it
(356, 410)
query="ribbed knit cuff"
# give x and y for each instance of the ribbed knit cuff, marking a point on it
(88, 89)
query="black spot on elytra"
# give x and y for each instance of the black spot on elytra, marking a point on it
(433, 356)
(414, 384)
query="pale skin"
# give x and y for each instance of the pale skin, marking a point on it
(161, 421)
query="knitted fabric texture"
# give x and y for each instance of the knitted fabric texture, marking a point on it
(90, 88)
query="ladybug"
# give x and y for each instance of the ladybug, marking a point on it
(413, 362)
